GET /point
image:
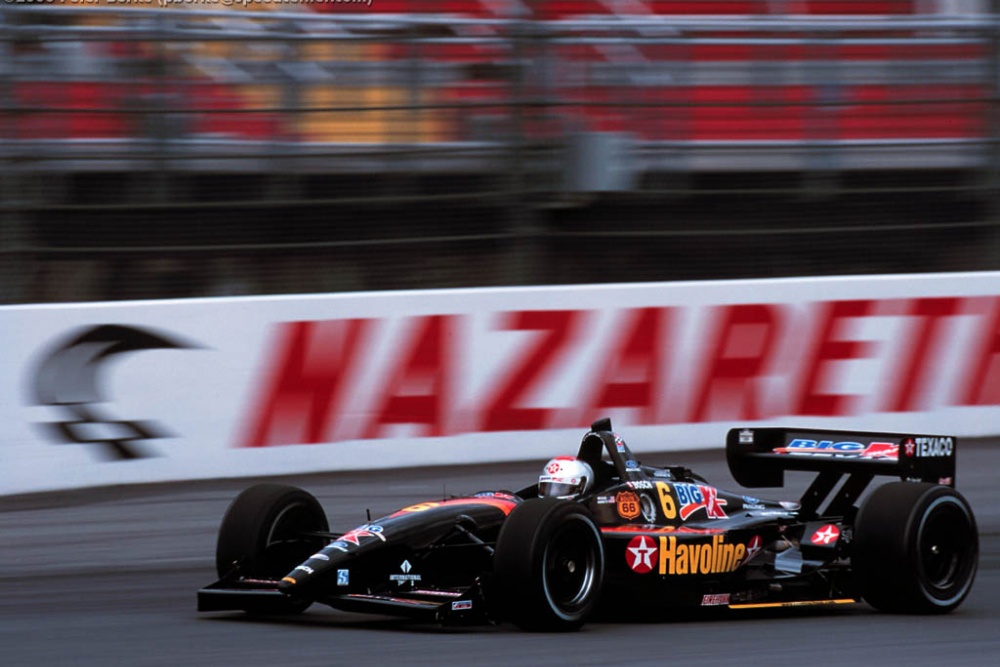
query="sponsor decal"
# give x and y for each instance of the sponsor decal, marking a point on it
(641, 554)
(605, 500)
(844, 450)
(694, 497)
(929, 448)
(413, 368)
(461, 605)
(631, 465)
(555, 467)
(406, 576)
(881, 450)
(68, 379)
(751, 503)
(640, 484)
(619, 443)
(746, 596)
(753, 546)
(627, 503)
(746, 437)
(826, 535)
(367, 530)
(714, 599)
(496, 494)
(648, 508)
(305, 568)
(343, 577)
(688, 558)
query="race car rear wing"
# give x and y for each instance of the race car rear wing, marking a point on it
(759, 457)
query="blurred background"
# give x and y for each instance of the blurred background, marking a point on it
(225, 148)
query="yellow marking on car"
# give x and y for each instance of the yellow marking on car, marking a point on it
(797, 603)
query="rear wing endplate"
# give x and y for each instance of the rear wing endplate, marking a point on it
(759, 457)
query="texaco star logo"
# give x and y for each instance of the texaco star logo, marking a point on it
(828, 534)
(639, 553)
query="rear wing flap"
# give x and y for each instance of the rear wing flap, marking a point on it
(759, 457)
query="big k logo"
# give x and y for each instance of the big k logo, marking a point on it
(694, 497)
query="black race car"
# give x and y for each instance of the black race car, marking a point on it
(655, 536)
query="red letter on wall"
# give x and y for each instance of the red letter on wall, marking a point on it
(983, 387)
(904, 388)
(502, 412)
(305, 386)
(630, 376)
(828, 349)
(418, 391)
(737, 353)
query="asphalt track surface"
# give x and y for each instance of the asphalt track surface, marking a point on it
(108, 577)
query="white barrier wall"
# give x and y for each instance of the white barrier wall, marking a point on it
(99, 394)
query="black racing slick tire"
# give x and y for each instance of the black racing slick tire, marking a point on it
(916, 548)
(548, 566)
(267, 531)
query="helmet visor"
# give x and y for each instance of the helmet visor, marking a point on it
(559, 488)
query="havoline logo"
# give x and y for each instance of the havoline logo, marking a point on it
(68, 378)
(715, 557)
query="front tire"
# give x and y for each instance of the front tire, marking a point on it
(916, 548)
(268, 530)
(549, 565)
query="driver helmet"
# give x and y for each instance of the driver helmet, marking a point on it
(565, 477)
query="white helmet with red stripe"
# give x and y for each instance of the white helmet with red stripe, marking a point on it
(565, 477)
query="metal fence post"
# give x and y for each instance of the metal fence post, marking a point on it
(992, 175)
(14, 267)
(824, 115)
(524, 255)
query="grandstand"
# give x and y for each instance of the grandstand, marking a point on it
(680, 73)
(150, 151)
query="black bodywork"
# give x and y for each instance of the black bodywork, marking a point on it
(668, 538)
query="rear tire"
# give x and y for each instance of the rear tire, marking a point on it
(548, 565)
(916, 548)
(266, 532)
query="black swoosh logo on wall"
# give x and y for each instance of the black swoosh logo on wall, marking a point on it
(68, 378)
